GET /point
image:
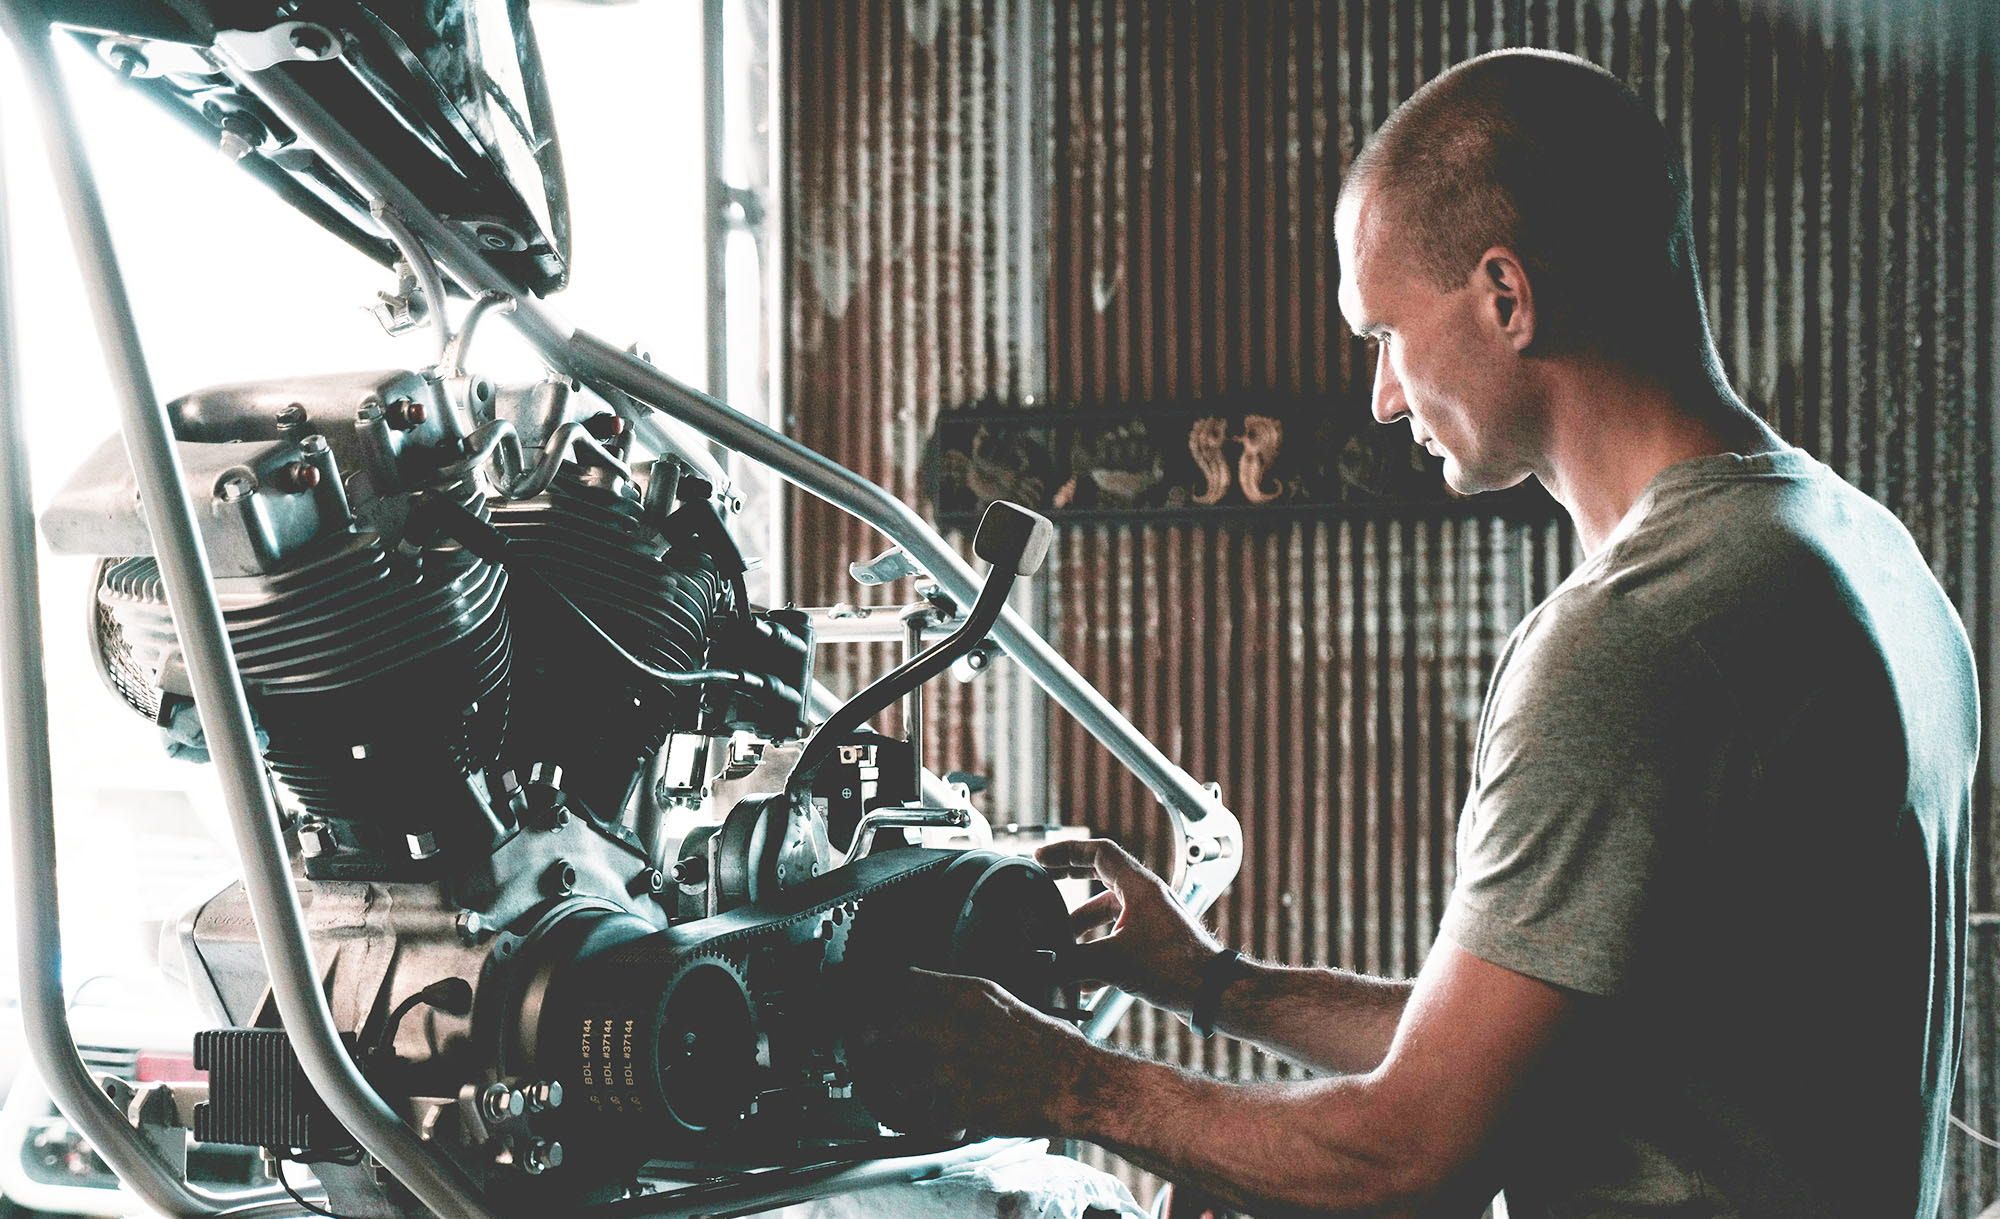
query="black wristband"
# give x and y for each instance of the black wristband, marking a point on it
(1216, 975)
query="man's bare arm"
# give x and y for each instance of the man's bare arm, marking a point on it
(1404, 1138)
(1325, 1019)
(1414, 1136)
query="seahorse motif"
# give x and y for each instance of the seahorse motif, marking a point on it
(1205, 441)
(1262, 435)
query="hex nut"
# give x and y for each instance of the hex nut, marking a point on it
(499, 1102)
(546, 1095)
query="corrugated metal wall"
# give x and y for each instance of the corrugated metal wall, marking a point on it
(916, 246)
(1326, 670)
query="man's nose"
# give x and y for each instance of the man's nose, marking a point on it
(1387, 403)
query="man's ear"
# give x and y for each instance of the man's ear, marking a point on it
(1506, 296)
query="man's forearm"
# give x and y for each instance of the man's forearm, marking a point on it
(1300, 1148)
(1324, 1019)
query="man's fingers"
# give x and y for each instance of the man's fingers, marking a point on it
(1099, 857)
(1095, 913)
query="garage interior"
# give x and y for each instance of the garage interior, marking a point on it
(1002, 217)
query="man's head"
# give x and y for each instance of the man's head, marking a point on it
(1522, 210)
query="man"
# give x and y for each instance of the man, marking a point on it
(1703, 954)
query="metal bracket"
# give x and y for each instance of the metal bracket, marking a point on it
(285, 42)
(886, 568)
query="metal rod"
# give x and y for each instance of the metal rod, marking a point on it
(833, 624)
(451, 363)
(218, 690)
(31, 796)
(915, 621)
(784, 1186)
(715, 196)
(423, 269)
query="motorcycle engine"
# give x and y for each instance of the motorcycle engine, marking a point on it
(574, 908)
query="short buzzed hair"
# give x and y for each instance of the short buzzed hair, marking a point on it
(1561, 162)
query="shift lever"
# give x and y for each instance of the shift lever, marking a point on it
(1011, 538)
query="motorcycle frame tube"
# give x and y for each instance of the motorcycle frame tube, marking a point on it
(267, 879)
(782, 1187)
(1208, 832)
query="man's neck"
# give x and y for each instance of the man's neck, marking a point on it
(1612, 434)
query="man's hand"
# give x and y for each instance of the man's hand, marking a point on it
(1156, 948)
(942, 1053)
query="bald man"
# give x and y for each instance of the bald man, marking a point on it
(1704, 952)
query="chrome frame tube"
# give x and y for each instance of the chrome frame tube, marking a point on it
(784, 1186)
(31, 797)
(218, 688)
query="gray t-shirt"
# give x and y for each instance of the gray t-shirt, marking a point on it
(1722, 789)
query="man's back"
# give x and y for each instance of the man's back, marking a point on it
(1723, 784)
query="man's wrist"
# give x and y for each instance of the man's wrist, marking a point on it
(1100, 1090)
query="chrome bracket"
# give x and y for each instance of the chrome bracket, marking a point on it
(285, 42)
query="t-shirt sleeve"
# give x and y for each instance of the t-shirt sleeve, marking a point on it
(1600, 745)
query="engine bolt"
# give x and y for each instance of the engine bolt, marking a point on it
(500, 1102)
(542, 1155)
(690, 871)
(291, 417)
(471, 926)
(315, 837)
(560, 879)
(235, 487)
(298, 476)
(404, 414)
(544, 1096)
(652, 880)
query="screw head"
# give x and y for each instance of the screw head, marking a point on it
(542, 1155)
(404, 414)
(235, 486)
(560, 879)
(471, 926)
(298, 476)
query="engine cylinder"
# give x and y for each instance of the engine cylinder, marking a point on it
(576, 707)
(379, 678)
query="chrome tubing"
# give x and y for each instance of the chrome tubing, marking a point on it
(422, 269)
(218, 689)
(1210, 836)
(783, 1186)
(37, 907)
